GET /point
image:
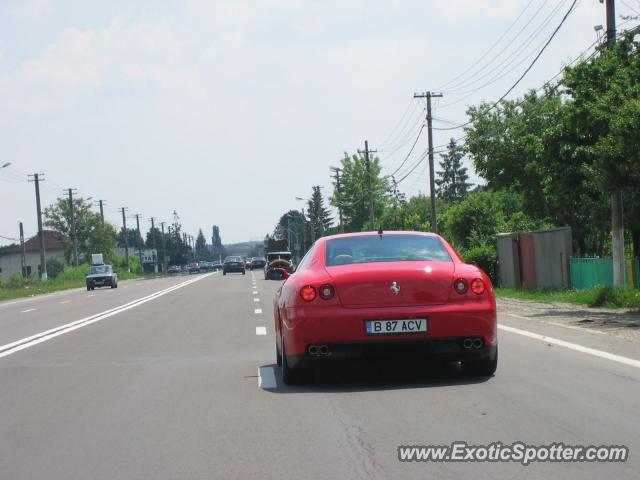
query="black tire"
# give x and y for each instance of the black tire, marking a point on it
(290, 376)
(278, 355)
(243, 272)
(482, 368)
(93, 288)
(224, 273)
(88, 288)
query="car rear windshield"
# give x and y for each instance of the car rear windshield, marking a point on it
(385, 248)
(233, 259)
(99, 270)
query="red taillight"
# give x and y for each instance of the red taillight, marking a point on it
(461, 286)
(327, 291)
(477, 286)
(308, 293)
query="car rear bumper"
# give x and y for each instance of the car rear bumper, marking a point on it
(234, 269)
(414, 353)
(447, 326)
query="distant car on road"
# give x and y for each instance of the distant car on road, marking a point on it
(194, 268)
(173, 269)
(278, 260)
(382, 296)
(216, 266)
(101, 276)
(233, 264)
(257, 262)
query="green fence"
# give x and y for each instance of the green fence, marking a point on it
(589, 272)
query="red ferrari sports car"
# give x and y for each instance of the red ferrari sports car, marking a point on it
(385, 295)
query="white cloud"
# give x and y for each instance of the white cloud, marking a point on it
(32, 9)
(139, 55)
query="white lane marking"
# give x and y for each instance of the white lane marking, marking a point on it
(91, 295)
(64, 301)
(257, 311)
(256, 299)
(137, 284)
(261, 330)
(28, 310)
(27, 342)
(267, 378)
(557, 324)
(573, 346)
(255, 292)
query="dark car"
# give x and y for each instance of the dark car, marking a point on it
(216, 266)
(194, 268)
(233, 264)
(257, 262)
(101, 276)
(173, 269)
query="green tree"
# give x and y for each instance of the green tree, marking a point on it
(452, 183)
(527, 149)
(319, 216)
(354, 193)
(202, 251)
(91, 234)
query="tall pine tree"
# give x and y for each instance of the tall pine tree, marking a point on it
(452, 183)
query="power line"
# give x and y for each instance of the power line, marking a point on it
(442, 87)
(566, 15)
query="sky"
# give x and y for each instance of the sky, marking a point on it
(225, 111)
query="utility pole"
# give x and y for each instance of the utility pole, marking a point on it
(617, 226)
(102, 203)
(37, 178)
(432, 187)
(304, 233)
(153, 243)
(139, 240)
(73, 227)
(337, 171)
(164, 250)
(126, 238)
(367, 164)
(24, 252)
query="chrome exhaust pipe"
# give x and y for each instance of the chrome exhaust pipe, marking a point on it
(467, 343)
(314, 350)
(477, 343)
(323, 350)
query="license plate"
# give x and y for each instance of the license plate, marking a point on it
(402, 325)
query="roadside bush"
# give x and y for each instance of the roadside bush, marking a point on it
(485, 257)
(54, 267)
(73, 274)
(607, 296)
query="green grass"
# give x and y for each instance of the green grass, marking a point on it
(19, 287)
(601, 296)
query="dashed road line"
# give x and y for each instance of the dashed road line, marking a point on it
(267, 378)
(256, 299)
(28, 310)
(261, 330)
(257, 311)
(64, 301)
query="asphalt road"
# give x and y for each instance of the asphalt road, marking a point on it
(180, 383)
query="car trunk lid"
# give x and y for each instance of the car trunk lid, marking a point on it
(386, 284)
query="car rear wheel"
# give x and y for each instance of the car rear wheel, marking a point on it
(290, 376)
(278, 355)
(88, 288)
(224, 273)
(481, 368)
